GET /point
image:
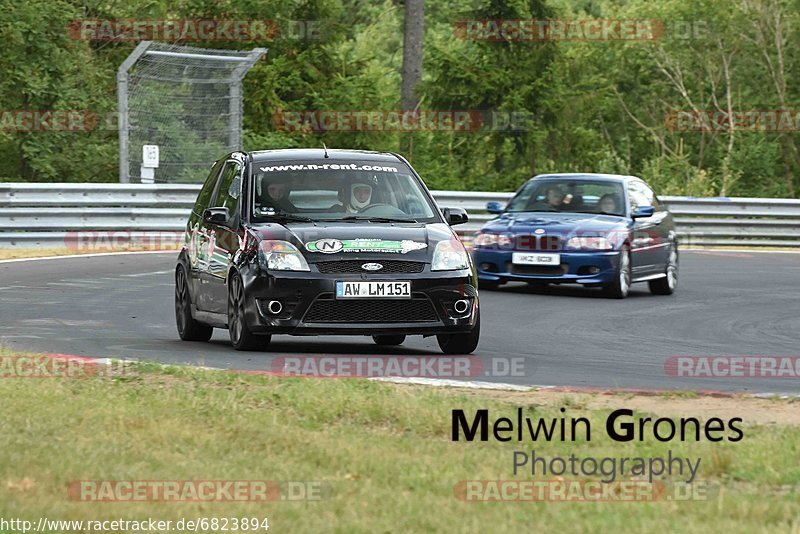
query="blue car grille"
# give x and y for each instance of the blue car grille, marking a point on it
(538, 270)
(542, 243)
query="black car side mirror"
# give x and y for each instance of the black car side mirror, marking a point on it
(455, 216)
(216, 215)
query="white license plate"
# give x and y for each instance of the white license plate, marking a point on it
(373, 290)
(532, 258)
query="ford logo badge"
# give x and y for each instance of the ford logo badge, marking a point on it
(372, 266)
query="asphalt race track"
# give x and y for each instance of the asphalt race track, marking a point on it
(727, 304)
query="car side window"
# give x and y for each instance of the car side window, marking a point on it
(653, 198)
(204, 198)
(639, 195)
(230, 188)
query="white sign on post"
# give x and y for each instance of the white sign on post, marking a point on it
(150, 156)
(149, 163)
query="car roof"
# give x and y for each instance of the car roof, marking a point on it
(289, 154)
(588, 176)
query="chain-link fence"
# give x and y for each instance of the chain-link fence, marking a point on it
(185, 100)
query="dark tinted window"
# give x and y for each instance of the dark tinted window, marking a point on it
(204, 198)
(230, 187)
(333, 191)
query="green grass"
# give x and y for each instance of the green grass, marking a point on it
(384, 449)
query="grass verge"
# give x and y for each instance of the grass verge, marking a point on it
(383, 449)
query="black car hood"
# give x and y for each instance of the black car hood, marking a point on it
(323, 241)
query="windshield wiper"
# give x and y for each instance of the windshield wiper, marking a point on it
(376, 219)
(288, 217)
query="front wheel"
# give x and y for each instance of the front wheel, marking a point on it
(460, 343)
(242, 338)
(189, 329)
(621, 285)
(669, 283)
(389, 340)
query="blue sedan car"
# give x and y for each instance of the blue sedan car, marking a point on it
(598, 230)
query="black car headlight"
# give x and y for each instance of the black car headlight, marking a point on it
(449, 256)
(277, 255)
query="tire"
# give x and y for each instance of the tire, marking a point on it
(389, 340)
(188, 328)
(242, 338)
(621, 285)
(460, 343)
(668, 284)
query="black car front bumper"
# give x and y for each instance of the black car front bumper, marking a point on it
(309, 307)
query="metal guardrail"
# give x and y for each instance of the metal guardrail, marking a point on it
(45, 214)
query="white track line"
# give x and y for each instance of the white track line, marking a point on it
(441, 382)
(93, 255)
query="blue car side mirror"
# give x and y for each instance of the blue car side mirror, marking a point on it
(494, 207)
(643, 211)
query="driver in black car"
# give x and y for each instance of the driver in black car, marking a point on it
(360, 197)
(355, 196)
(277, 197)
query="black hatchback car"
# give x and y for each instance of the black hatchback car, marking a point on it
(317, 241)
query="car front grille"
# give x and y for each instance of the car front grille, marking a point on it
(354, 266)
(538, 270)
(330, 310)
(541, 243)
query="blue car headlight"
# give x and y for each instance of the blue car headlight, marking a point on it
(489, 240)
(589, 243)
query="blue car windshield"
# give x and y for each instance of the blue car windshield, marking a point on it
(571, 196)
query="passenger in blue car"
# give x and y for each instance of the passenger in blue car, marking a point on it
(608, 204)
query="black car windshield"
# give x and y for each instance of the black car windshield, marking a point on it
(570, 195)
(339, 191)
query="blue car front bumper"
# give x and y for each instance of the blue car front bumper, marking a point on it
(577, 267)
